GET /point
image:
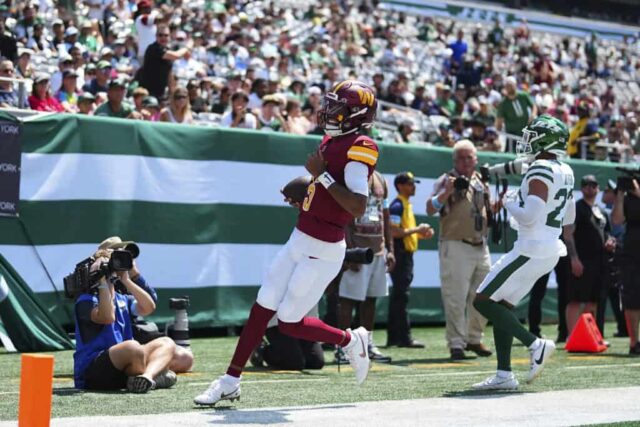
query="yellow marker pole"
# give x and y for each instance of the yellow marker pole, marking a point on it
(36, 386)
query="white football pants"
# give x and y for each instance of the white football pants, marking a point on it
(299, 274)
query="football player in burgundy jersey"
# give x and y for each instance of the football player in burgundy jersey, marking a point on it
(313, 255)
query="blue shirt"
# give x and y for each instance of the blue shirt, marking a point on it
(92, 338)
(459, 48)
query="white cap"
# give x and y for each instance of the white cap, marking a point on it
(315, 90)
(71, 31)
(511, 80)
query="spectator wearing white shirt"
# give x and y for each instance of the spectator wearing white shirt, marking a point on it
(145, 22)
(239, 116)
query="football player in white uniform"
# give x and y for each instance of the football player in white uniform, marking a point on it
(539, 209)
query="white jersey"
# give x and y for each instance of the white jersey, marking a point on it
(538, 238)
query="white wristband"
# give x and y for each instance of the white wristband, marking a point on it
(326, 180)
(103, 286)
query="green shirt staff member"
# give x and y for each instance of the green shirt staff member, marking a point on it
(405, 235)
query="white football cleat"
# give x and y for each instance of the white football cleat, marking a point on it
(497, 383)
(539, 356)
(217, 391)
(358, 354)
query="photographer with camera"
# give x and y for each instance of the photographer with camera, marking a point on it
(107, 357)
(462, 199)
(143, 331)
(626, 210)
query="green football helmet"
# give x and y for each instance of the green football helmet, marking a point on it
(544, 133)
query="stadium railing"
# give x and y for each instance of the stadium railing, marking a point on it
(22, 89)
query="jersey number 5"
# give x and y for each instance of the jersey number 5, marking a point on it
(552, 218)
(311, 191)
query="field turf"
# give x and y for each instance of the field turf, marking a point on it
(414, 373)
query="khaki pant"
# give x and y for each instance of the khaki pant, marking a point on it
(462, 269)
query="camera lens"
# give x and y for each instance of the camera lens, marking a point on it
(461, 183)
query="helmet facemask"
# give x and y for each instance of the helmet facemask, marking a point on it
(524, 146)
(335, 113)
(529, 147)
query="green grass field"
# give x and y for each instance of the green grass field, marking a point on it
(412, 374)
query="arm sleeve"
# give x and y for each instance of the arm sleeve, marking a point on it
(529, 213)
(356, 178)
(395, 212)
(570, 215)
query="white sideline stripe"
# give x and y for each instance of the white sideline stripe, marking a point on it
(504, 409)
(125, 177)
(196, 266)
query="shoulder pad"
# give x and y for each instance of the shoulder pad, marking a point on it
(364, 150)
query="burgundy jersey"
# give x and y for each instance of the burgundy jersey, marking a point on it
(321, 216)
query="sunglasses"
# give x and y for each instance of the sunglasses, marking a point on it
(163, 35)
(6, 70)
(179, 97)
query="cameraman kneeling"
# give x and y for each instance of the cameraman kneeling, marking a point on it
(107, 357)
(143, 331)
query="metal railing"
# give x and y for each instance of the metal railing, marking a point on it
(22, 89)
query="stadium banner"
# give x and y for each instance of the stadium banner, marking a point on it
(10, 155)
(203, 204)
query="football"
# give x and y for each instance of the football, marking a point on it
(296, 189)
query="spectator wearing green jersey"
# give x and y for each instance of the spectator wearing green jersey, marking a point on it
(514, 112)
(115, 106)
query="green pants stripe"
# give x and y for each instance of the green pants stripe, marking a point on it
(502, 277)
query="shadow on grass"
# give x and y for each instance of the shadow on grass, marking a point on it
(70, 391)
(277, 371)
(482, 394)
(62, 376)
(435, 360)
(230, 414)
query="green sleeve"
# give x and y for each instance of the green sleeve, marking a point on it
(500, 109)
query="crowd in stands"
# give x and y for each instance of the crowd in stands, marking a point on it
(266, 64)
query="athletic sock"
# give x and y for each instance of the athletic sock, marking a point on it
(314, 329)
(504, 374)
(503, 342)
(505, 319)
(230, 380)
(250, 337)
